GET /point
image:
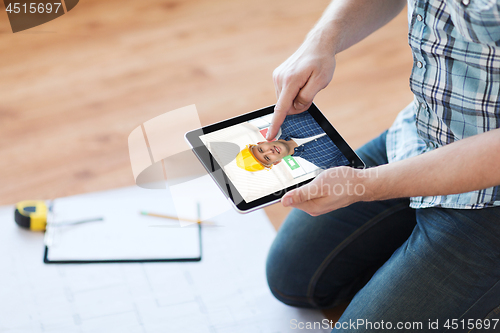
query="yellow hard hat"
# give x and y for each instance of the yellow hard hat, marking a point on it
(246, 161)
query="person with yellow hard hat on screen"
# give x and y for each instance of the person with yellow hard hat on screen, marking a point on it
(299, 136)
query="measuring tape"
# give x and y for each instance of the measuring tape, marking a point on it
(31, 214)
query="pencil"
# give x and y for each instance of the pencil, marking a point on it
(175, 218)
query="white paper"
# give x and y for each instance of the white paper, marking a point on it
(186, 195)
(124, 232)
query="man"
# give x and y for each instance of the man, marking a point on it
(300, 136)
(422, 244)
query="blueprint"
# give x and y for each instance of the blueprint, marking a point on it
(226, 292)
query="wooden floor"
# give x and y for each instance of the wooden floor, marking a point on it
(73, 89)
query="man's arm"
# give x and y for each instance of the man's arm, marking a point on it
(311, 67)
(466, 165)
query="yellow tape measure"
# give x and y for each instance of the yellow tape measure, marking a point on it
(31, 214)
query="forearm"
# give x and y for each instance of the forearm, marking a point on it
(466, 165)
(346, 22)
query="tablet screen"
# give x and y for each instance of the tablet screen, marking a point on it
(258, 168)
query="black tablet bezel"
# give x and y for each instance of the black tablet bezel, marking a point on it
(217, 173)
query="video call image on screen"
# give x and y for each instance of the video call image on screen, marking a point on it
(300, 151)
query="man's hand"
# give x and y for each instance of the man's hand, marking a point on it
(332, 189)
(462, 166)
(299, 79)
(311, 67)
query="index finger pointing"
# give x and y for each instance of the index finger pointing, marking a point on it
(278, 118)
(281, 110)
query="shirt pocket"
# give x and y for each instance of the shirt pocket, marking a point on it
(476, 21)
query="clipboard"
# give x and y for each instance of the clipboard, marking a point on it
(123, 235)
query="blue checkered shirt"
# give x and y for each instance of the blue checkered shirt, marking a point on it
(456, 84)
(322, 152)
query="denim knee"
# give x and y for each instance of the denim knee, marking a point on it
(294, 262)
(280, 270)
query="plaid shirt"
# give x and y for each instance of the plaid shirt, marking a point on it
(322, 152)
(456, 83)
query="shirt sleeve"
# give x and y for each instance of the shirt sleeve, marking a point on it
(477, 20)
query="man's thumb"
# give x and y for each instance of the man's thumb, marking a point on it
(293, 198)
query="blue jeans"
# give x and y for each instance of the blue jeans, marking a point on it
(394, 264)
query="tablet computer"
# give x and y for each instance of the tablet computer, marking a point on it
(253, 172)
